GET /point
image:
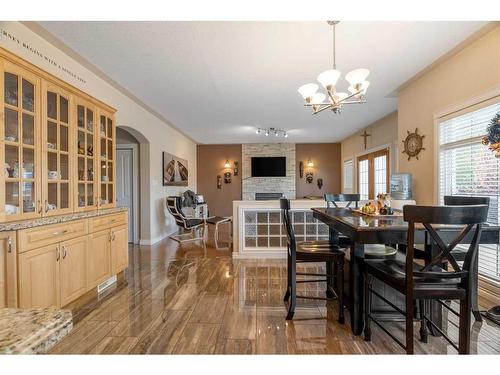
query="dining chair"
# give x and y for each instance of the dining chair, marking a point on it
(333, 199)
(460, 254)
(430, 281)
(298, 252)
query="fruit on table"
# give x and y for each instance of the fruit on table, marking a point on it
(368, 208)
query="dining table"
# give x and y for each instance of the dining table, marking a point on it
(362, 229)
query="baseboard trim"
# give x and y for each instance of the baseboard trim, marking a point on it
(260, 255)
(155, 240)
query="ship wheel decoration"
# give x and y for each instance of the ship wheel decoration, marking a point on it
(413, 144)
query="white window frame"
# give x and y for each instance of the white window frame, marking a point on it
(489, 290)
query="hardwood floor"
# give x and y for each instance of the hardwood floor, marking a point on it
(192, 298)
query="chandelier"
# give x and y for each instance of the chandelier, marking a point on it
(328, 79)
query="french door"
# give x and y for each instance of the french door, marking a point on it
(373, 174)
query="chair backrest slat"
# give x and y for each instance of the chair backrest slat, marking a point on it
(471, 217)
(459, 200)
(332, 199)
(174, 207)
(285, 217)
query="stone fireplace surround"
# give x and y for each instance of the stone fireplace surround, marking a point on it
(283, 185)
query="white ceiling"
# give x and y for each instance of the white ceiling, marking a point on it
(217, 81)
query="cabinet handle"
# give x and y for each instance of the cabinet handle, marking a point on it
(114, 236)
(64, 251)
(40, 208)
(46, 206)
(57, 254)
(60, 233)
(9, 245)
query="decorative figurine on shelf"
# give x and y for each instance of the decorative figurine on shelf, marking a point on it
(492, 138)
(90, 150)
(81, 149)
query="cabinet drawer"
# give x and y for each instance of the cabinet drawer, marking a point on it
(104, 222)
(46, 235)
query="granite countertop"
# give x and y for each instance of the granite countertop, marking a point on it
(31, 331)
(31, 223)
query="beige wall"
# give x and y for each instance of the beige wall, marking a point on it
(327, 166)
(383, 132)
(210, 162)
(472, 72)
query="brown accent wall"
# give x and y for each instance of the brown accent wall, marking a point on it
(327, 165)
(210, 163)
(472, 72)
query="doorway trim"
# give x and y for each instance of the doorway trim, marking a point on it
(135, 187)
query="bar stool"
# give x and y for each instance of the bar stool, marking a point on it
(300, 252)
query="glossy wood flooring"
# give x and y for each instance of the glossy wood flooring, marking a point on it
(192, 298)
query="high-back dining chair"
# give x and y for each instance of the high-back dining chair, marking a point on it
(459, 254)
(333, 199)
(186, 224)
(307, 252)
(431, 281)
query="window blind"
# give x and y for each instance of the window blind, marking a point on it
(466, 167)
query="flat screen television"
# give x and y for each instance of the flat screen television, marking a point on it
(269, 166)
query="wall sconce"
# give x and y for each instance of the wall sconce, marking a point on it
(227, 173)
(309, 173)
(219, 182)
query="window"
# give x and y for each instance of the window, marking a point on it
(373, 174)
(348, 176)
(466, 167)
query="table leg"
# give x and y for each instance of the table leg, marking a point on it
(357, 279)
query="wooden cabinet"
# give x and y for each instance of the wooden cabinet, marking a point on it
(86, 165)
(8, 270)
(58, 263)
(98, 257)
(20, 180)
(106, 147)
(57, 163)
(119, 249)
(73, 269)
(39, 277)
(57, 145)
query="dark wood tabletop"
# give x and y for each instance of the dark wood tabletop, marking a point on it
(393, 229)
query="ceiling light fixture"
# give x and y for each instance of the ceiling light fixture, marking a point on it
(275, 131)
(328, 79)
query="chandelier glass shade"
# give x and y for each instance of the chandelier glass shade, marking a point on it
(329, 79)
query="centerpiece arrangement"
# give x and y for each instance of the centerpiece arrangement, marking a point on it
(380, 207)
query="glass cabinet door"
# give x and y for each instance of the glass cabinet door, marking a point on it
(106, 160)
(86, 196)
(57, 189)
(21, 196)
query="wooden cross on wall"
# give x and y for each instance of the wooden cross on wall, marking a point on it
(365, 135)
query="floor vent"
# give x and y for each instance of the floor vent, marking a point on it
(106, 284)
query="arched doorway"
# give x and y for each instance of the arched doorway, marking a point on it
(133, 180)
